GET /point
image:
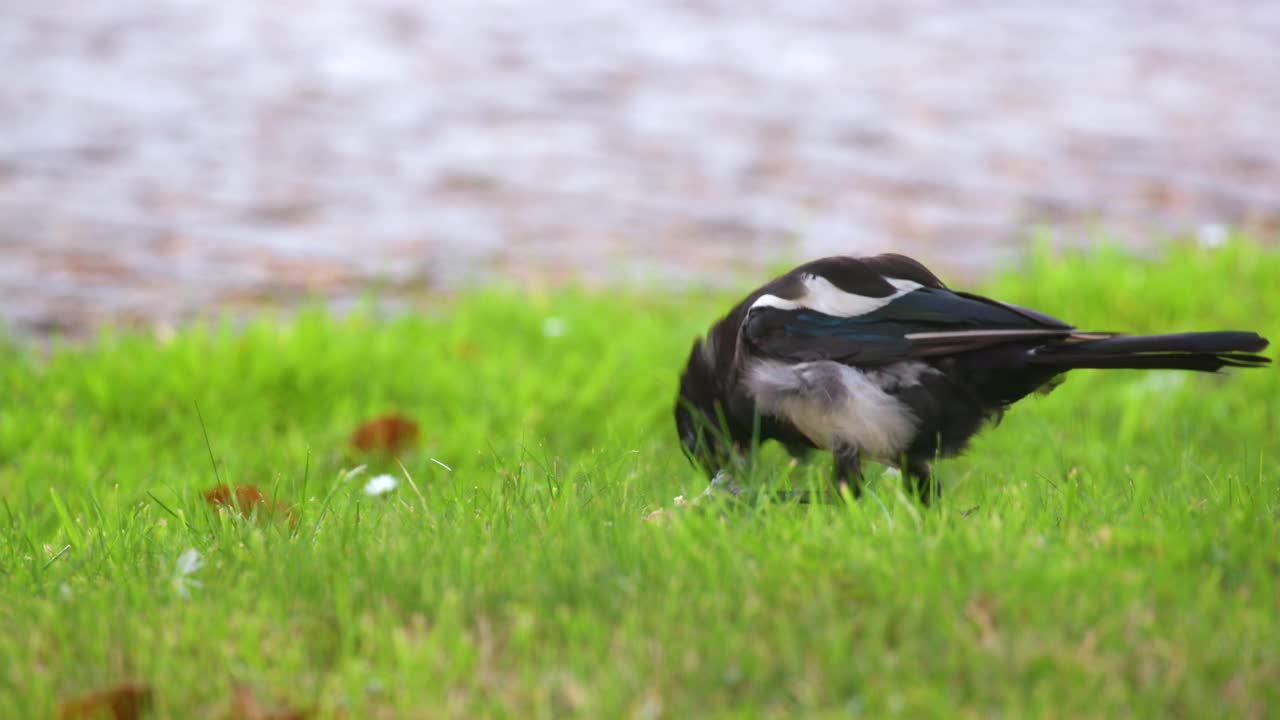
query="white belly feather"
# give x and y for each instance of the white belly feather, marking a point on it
(834, 404)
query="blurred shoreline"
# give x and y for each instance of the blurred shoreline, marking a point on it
(161, 160)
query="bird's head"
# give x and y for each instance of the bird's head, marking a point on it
(700, 420)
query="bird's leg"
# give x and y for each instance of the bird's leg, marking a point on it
(920, 476)
(722, 481)
(848, 470)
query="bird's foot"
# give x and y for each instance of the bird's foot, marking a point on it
(722, 486)
(723, 482)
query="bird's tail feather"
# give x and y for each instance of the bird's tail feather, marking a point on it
(1202, 351)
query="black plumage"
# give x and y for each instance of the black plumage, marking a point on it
(876, 358)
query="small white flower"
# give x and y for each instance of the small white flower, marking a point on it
(554, 327)
(1211, 235)
(1159, 384)
(188, 563)
(379, 485)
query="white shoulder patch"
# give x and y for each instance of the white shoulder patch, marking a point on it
(821, 296)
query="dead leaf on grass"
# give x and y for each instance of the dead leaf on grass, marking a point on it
(249, 500)
(981, 611)
(124, 701)
(245, 706)
(389, 433)
(656, 516)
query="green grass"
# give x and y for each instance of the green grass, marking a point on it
(1112, 549)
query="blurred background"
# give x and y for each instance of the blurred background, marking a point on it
(159, 159)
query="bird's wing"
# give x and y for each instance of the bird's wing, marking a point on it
(818, 319)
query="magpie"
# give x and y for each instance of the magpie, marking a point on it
(875, 358)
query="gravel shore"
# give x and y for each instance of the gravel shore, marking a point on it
(158, 159)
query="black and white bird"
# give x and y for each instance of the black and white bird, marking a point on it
(874, 358)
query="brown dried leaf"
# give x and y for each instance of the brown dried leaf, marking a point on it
(245, 706)
(125, 701)
(389, 433)
(981, 611)
(249, 500)
(657, 516)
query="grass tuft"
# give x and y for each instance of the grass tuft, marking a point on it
(1112, 549)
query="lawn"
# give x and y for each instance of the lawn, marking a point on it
(1112, 549)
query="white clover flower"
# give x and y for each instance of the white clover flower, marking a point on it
(1211, 235)
(554, 327)
(188, 563)
(379, 485)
